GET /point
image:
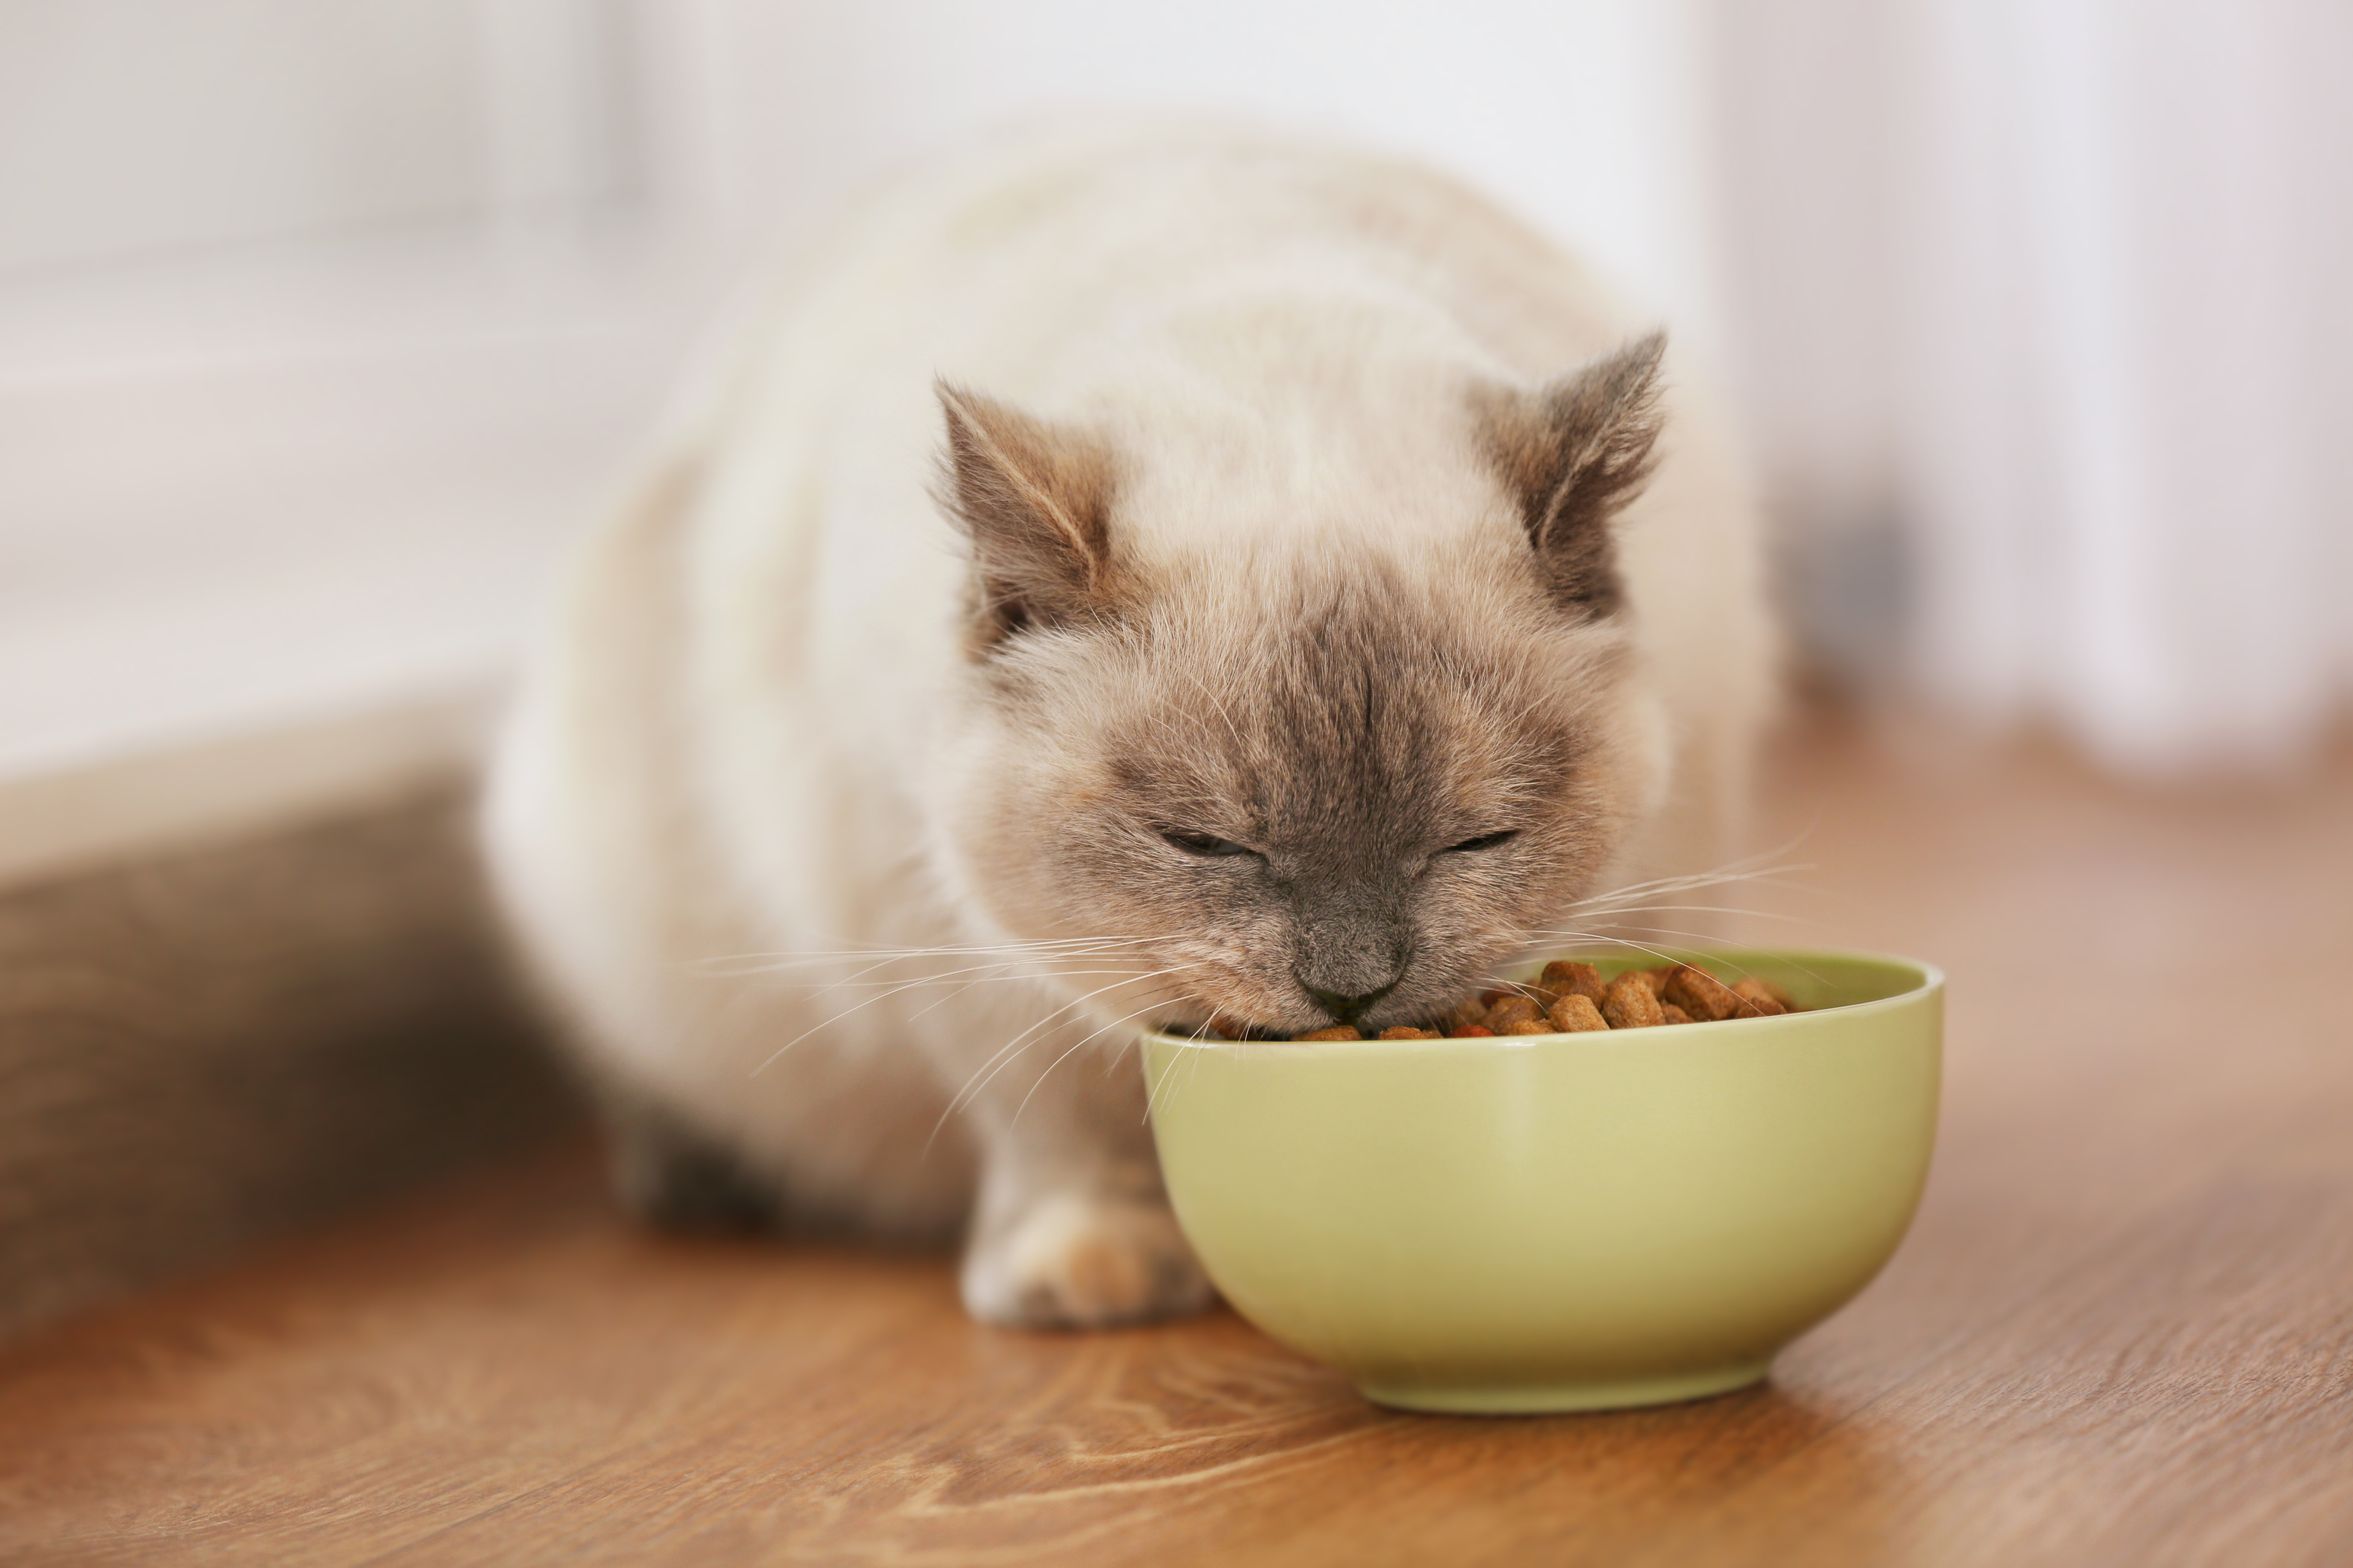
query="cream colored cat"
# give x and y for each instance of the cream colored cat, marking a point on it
(1127, 575)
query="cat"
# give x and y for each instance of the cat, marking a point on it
(1125, 576)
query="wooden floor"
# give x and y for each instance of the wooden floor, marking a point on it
(2122, 1332)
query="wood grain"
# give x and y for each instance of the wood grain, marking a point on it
(2122, 1332)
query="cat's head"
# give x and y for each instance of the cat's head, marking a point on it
(1313, 773)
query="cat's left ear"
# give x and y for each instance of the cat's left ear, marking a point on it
(1035, 500)
(1573, 454)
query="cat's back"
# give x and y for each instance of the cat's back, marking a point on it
(1041, 258)
(1141, 277)
(1211, 296)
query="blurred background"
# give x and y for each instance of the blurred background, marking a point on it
(323, 323)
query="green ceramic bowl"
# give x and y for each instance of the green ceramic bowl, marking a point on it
(1562, 1222)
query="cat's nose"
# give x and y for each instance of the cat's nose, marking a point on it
(1345, 1009)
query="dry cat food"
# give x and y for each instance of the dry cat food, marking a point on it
(1571, 998)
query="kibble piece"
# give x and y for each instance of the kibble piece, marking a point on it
(1700, 995)
(1652, 980)
(1510, 1009)
(1571, 997)
(1225, 1026)
(1336, 1032)
(1568, 978)
(1575, 1014)
(1630, 1003)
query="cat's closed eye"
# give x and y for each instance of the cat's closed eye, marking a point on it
(1208, 846)
(1485, 841)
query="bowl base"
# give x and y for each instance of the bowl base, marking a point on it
(1549, 1398)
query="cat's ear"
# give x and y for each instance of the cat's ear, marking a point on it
(1573, 454)
(1035, 500)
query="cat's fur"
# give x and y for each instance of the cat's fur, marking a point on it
(1090, 488)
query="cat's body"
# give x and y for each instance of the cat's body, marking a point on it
(1255, 615)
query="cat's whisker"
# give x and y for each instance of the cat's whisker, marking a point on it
(1744, 911)
(980, 975)
(1153, 1092)
(1762, 864)
(959, 990)
(1647, 906)
(870, 978)
(1004, 1054)
(1640, 894)
(1767, 869)
(870, 950)
(1542, 938)
(1703, 937)
(980, 1076)
(1550, 940)
(1089, 1039)
(1120, 1022)
(948, 995)
(854, 951)
(1034, 966)
(893, 988)
(758, 964)
(768, 1060)
(887, 988)
(1111, 1062)
(965, 1096)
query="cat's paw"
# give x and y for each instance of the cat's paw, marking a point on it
(1072, 1260)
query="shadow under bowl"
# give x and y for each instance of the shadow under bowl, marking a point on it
(1562, 1222)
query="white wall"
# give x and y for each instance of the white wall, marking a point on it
(134, 128)
(128, 125)
(1585, 114)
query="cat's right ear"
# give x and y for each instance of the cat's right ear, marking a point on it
(1573, 454)
(1035, 500)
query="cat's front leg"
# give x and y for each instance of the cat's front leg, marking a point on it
(1072, 1227)
(1073, 1257)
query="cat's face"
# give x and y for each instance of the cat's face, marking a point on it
(1349, 809)
(1296, 782)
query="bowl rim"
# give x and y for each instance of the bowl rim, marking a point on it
(1932, 979)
